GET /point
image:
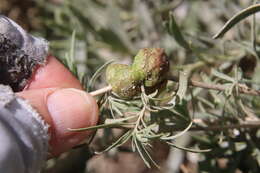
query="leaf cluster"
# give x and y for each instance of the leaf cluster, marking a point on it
(222, 119)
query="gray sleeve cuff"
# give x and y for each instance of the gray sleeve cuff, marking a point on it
(23, 135)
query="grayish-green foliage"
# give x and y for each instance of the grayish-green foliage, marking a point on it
(223, 122)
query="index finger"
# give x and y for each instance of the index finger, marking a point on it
(53, 75)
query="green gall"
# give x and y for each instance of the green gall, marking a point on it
(152, 65)
(150, 68)
(123, 83)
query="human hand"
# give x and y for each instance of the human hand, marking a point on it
(45, 83)
(57, 95)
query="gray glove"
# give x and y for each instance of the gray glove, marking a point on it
(20, 53)
(23, 134)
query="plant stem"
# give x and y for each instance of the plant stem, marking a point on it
(242, 88)
(246, 124)
(101, 91)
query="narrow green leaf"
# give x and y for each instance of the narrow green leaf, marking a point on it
(188, 149)
(222, 76)
(125, 137)
(86, 23)
(237, 18)
(206, 102)
(119, 120)
(149, 156)
(72, 45)
(144, 158)
(178, 134)
(69, 57)
(183, 86)
(97, 74)
(174, 30)
(112, 125)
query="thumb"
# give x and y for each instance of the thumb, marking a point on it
(63, 109)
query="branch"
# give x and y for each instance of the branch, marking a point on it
(199, 127)
(246, 124)
(241, 88)
(101, 91)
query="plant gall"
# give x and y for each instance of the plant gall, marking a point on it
(150, 68)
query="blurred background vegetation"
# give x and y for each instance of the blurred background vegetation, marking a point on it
(117, 29)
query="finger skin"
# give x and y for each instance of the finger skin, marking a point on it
(62, 108)
(70, 109)
(53, 74)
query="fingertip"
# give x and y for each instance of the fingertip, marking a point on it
(64, 109)
(71, 109)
